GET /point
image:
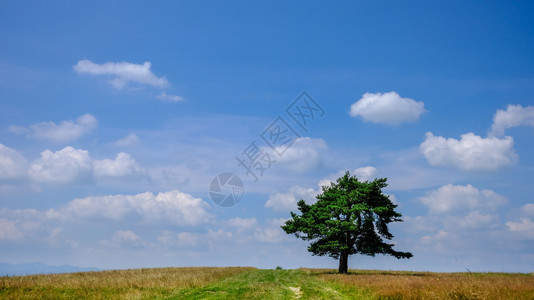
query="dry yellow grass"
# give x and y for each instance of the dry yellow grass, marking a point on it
(123, 284)
(426, 285)
(251, 283)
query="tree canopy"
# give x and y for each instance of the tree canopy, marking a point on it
(349, 217)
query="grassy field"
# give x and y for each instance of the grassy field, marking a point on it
(426, 285)
(251, 283)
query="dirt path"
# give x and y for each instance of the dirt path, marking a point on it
(297, 291)
(267, 284)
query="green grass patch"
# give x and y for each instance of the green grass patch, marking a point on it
(273, 284)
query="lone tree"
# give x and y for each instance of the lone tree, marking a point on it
(349, 217)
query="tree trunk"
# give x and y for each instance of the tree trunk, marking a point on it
(343, 263)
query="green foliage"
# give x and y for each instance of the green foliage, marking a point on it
(349, 217)
(279, 268)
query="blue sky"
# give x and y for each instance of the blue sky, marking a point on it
(115, 118)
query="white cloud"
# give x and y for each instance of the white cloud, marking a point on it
(365, 173)
(181, 239)
(122, 165)
(513, 116)
(242, 223)
(218, 235)
(440, 235)
(362, 173)
(247, 231)
(471, 152)
(72, 165)
(8, 230)
(126, 237)
(528, 209)
(419, 224)
(169, 177)
(392, 198)
(325, 182)
(463, 222)
(271, 233)
(65, 165)
(57, 239)
(122, 72)
(130, 139)
(31, 224)
(439, 242)
(12, 163)
(64, 132)
(329, 179)
(475, 220)
(524, 226)
(31, 214)
(452, 198)
(304, 155)
(387, 108)
(173, 206)
(171, 98)
(187, 239)
(288, 201)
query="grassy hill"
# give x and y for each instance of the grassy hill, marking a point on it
(252, 283)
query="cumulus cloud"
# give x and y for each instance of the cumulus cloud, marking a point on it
(304, 155)
(471, 152)
(331, 178)
(365, 173)
(65, 165)
(218, 235)
(31, 214)
(31, 224)
(513, 116)
(173, 206)
(130, 139)
(72, 165)
(248, 230)
(362, 173)
(271, 232)
(453, 198)
(528, 210)
(475, 220)
(181, 239)
(171, 98)
(525, 226)
(128, 237)
(9, 231)
(387, 108)
(12, 163)
(62, 132)
(439, 242)
(392, 198)
(288, 201)
(242, 223)
(122, 72)
(123, 165)
(169, 177)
